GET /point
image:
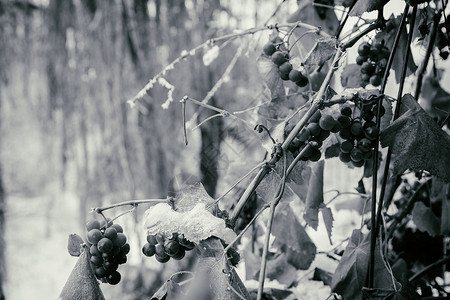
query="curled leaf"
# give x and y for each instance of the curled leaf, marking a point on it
(196, 224)
(314, 198)
(322, 51)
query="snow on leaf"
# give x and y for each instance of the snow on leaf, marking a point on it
(328, 220)
(425, 219)
(322, 51)
(400, 54)
(82, 284)
(272, 79)
(288, 231)
(74, 244)
(210, 55)
(417, 142)
(196, 224)
(363, 6)
(314, 198)
(190, 195)
(351, 76)
(350, 275)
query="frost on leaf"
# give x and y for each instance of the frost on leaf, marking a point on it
(74, 244)
(290, 233)
(322, 51)
(363, 6)
(272, 79)
(82, 284)
(190, 195)
(210, 55)
(196, 224)
(314, 198)
(350, 275)
(400, 54)
(417, 142)
(425, 219)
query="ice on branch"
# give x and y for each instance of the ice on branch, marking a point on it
(196, 224)
(163, 82)
(210, 55)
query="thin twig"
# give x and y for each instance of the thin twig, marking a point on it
(428, 268)
(126, 203)
(206, 120)
(183, 108)
(273, 205)
(236, 183)
(246, 228)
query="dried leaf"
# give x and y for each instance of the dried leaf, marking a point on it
(363, 6)
(328, 220)
(322, 51)
(196, 225)
(288, 231)
(314, 198)
(190, 196)
(74, 244)
(350, 275)
(81, 284)
(425, 219)
(272, 79)
(351, 76)
(417, 142)
(400, 53)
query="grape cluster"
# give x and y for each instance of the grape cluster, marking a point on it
(314, 134)
(279, 54)
(359, 133)
(108, 249)
(164, 248)
(373, 60)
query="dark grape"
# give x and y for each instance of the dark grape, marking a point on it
(171, 247)
(94, 235)
(315, 156)
(97, 260)
(114, 278)
(327, 122)
(117, 227)
(110, 233)
(278, 58)
(162, 259)
(269, 49)
(92, 224)
(346, 111)
(180, 254)
(120, 240)
(125, 249)
(315, 117)
(285, 68)
(344, 121)
(100, 272)
(314, 128)
(304, 135)
(148, 249)
(151, 239)
(105, 245)
(344, 157)
(346, 146)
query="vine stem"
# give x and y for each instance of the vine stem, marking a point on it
(430, 46)
(376, 214)
(133, 203)
(317, 100)
(273, 205)
(185, 54)
(428, 268)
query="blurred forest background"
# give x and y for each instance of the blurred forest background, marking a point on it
(70, 142)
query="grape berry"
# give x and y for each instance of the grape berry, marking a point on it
(108, 249)
(279, 55)
(373, 60)
(164, 248)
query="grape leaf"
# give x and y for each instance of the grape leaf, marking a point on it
(351, 76)
(271, 76)
(196, 225)
(274, 294)
(288, 231)
(268, 188)
(188, 197)
(280, 269)
(350, 275)
(363, 6)
(214, 277)
(328, 220)
(425, 219)
(389, 36)
(417, 142)
(299, 175)
(323, 50)
(74, 244)
(171, 289)
(314, 198)
(82, 284)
